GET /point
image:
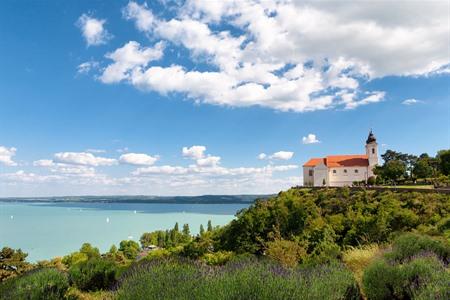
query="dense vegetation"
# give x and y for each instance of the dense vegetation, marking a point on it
(302, 243)
(400, 167)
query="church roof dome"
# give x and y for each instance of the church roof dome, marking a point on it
(371, 138)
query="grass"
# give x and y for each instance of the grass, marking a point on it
(425, 186)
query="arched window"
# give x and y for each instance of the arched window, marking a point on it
(356, 170)
(373, 150)
(345, 171)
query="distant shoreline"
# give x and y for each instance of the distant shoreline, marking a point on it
(205, 199)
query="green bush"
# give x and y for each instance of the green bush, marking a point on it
(94, 274)
(410, 244)
(46, 284)
(217, 258)
(419, 277)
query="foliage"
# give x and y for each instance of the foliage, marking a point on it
(93, 274)
(44, 283)
(86, 252)
(410, 244)
(357, 259)
(414, 268)
(416, 277)
(288, 253)
(443, 157)
(238, 279)
(129, 248)
(326, 220)
(217, 258)
(12, 263)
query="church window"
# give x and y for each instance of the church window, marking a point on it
(311, 173)
(356, 170)
(345, 170)
(334, 171)
(373, 150)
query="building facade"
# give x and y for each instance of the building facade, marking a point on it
(342, 170)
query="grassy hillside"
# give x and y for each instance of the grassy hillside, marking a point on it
(302, 244)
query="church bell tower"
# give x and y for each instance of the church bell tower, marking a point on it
(372, 151)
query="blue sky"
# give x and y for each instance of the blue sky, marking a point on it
(101, 97)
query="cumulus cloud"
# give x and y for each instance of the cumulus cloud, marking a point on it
(84, 158)
(194, 152)
(284, 55)
(129, 59)
(93, 30)
(6, 156)
(411, 101)
(310, 139)
(280, 155)
(138, 159)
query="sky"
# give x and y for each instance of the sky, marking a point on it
(212, 97)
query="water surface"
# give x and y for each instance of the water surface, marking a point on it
(46, 230)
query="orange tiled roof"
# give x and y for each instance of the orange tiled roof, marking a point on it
(313, 162)
(340, 161)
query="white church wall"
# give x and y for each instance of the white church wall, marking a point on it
(338, 176)
(308, 179)
(320, 175)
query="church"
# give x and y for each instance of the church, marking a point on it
(342, 170)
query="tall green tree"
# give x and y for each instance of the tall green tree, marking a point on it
(209, 227)
(422, 167)
(12, 263)
(443, 157)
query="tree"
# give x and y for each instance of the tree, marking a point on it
(443, 157)
(394, 170)
(176, 227)
(422, 168)
(186, 233)
(91, 252)
(209, 227)
(129, 248)
(12, 263)
(202, 230)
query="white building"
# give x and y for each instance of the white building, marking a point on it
(342, 170)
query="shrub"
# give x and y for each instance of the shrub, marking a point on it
(94, 274)
(371, 180)
(46, 284)
(357, 259)
(420, 276)
(410, 244)
(217, 258)
(288, 253)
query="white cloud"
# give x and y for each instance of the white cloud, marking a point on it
(168, 170)
(6, 155)
(128, 59)
(28, 177)
(138, 159)
(285, 55)
(209, 161)
(64, 168)
(93, 30)
(310, 139)
(194, 152)
(87, 66)
(411, 101)
(280, 155)
(83, 158)
(262, 156)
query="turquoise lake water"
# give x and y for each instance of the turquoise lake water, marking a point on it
(46, 230)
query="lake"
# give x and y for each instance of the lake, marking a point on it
(47, 230)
